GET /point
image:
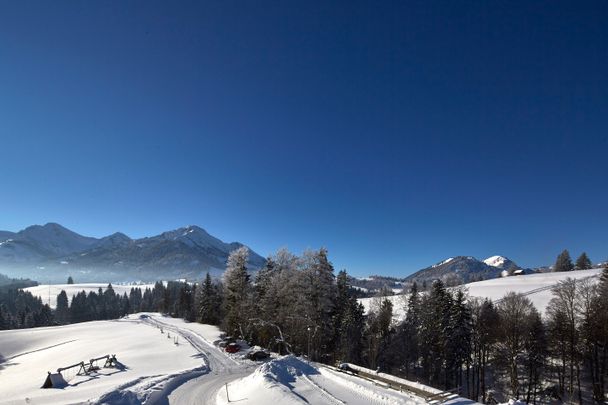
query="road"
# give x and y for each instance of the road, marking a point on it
(223, 369)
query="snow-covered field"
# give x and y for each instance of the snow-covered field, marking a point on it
(537, 287)
(148, 356)
(154, 370)
(45, 291)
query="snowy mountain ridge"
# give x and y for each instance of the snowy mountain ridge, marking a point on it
(465, 268)
(51, 249)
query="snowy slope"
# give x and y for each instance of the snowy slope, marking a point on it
(156, 371)
(149, 358)
(537, 287)
(46, 291)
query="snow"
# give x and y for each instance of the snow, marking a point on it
(495, 261)
(149, 360)
(43, 291)
(292, 380)
(154, 370)
(537, 287)
(449, 259)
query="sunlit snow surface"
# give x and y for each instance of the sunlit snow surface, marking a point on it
(46, 291)
(155, 370)
(537, 286)
(147, 355)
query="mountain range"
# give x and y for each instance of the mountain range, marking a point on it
(51, 251)
(464, 268)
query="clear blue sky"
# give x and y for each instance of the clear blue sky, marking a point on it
(396, 134)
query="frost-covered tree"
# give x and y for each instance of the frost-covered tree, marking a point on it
(535, 347)
(563, 313)
(515, 312)
(236, 292)
(316, 302)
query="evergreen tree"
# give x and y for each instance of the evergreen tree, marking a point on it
(208, 302)
(62, 309)
(316, 302)
(70, 280)
(236, 289)
(458, 344)
(583, 262)
(563, 262)
(410, 331)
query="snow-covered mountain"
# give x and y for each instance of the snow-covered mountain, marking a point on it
(38, 242)
(501, 262)
(464, 268)
(48, 249)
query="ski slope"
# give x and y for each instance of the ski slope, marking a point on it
(154, 370)
(537, 287)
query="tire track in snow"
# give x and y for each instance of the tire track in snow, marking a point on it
(41, 349)
(323, 391)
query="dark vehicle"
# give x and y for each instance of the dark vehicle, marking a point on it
(256, 355)
(232, 348)
(226, 341)
(344, 367)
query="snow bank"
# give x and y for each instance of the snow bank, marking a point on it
(272, 382)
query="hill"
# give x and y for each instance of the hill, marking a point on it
(462, 269)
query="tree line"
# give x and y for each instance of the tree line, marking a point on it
(20, 309)
(482, 350)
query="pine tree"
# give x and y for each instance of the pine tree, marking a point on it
(410, 331)
(62, 308)
(207, 302)
(459, 341)
(70, 280)
(583, 262)
(236, 289)
(316, 301)
(563, 262)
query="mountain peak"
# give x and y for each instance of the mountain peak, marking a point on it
(499, 261)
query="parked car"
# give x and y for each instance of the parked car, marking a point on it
(256, 355)
(232, 347)
(226, 341)
(346, 368)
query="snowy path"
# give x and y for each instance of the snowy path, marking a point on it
(223, 369)
(158, 371)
